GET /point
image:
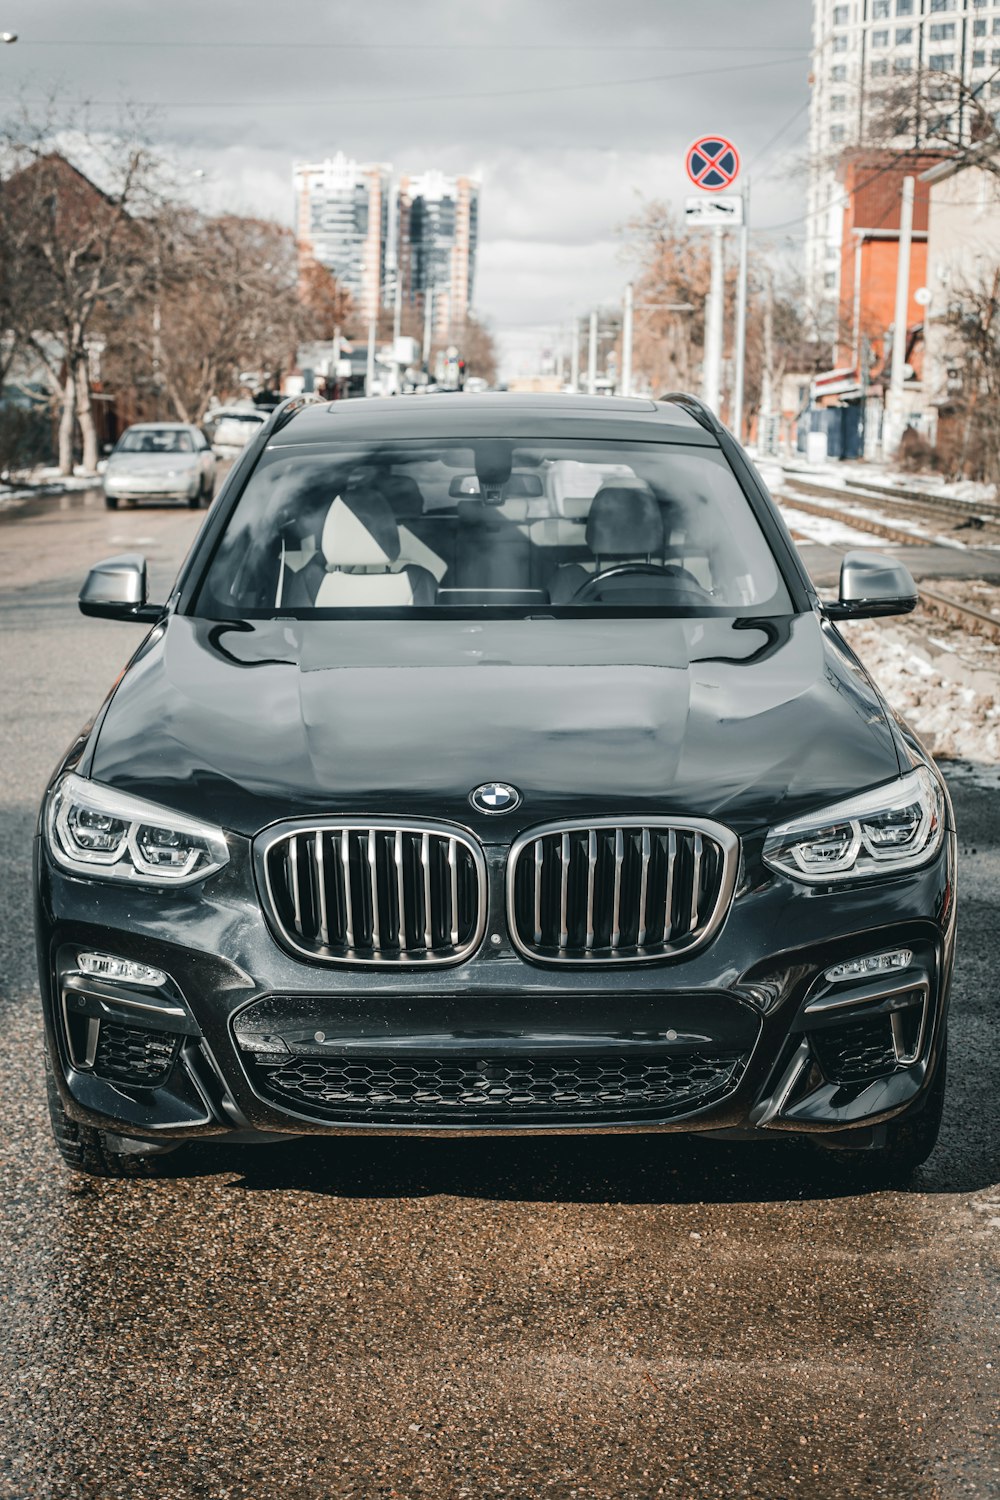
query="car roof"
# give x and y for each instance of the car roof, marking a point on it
(493, 413)
(160, 427)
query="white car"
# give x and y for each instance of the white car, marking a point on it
(160, 461)
(232, 427)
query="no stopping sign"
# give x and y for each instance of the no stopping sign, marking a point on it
(713, 163)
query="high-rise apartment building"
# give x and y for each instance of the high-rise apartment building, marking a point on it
(859, 47)
(438, 236)
(344, 212)
(342, 221)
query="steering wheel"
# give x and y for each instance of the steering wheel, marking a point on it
(689, 584)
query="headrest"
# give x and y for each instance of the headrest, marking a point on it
(402, 492)
(624, 522)
(360, 531)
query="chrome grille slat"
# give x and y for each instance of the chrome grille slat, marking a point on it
(668, 905)
(293, 865)
(616, 912)
(453, 892)
(425, 866)
(695, 881)
(397, 855)
(373, 887)
(643, 888)
(374, 891)
(324, 924)
(619, 890)
(345, 860)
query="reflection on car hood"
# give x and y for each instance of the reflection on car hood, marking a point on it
(244, 723)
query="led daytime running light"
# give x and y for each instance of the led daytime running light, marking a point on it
(872, 963)
(104, 966)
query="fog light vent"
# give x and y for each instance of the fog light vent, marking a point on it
(130, 1055)
(861, 1048)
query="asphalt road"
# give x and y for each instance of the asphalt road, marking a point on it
(607, 1318)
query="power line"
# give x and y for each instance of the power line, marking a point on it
(561, 47)
(758, 157)
(353, 99)
(888, 166)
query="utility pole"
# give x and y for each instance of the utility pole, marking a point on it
(370, 366)
(712, 378)
(741, 317)
(592, 356)
(574, 356)
(334, 359)
(765, 435)
(894, 405)
(626, 380)
(397, 306)
(428, 326)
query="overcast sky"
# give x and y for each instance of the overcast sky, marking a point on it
(572, 111)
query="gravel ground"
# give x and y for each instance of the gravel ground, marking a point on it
(610, 1318)
(957, 716)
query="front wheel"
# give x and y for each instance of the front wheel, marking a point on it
(908, 1141)
(111, 501)
(94, 1152)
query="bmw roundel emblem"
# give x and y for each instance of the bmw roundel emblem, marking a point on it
(495, 797)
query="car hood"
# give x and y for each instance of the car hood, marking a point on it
(746, 721)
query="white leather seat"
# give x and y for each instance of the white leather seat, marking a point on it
(360, 545)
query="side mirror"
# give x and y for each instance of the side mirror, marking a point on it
(116, 590)
(872, 584)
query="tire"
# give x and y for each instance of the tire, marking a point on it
(195, 502)
(87, 1150)
(907, 1143)
(111, 501)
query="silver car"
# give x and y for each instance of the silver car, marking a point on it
(160, 461)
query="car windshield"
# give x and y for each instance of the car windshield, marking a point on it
(488, 525)
(155, 440)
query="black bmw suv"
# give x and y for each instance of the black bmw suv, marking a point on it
(493, 766)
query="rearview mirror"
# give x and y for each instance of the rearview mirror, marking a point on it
(872, 584)
(116, 590)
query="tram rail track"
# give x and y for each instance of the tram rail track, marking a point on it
(968, 617)
(936, 510)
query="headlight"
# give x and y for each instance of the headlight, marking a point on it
(892, 828)
(97, 831)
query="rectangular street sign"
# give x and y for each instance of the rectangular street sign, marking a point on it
(725, 210)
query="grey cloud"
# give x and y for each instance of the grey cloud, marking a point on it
(560, 168)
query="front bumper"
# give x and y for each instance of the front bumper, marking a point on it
(152, 486)
(742, 1037)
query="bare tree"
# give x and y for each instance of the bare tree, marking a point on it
(937, 111)
(672, 274)
(327, 306)
(671, 285)
(477, 347)
(222, 304)
(79, 250)
(969, 417)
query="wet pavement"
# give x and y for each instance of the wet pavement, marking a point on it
(608, 1318)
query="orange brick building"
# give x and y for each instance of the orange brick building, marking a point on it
(869, 255)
